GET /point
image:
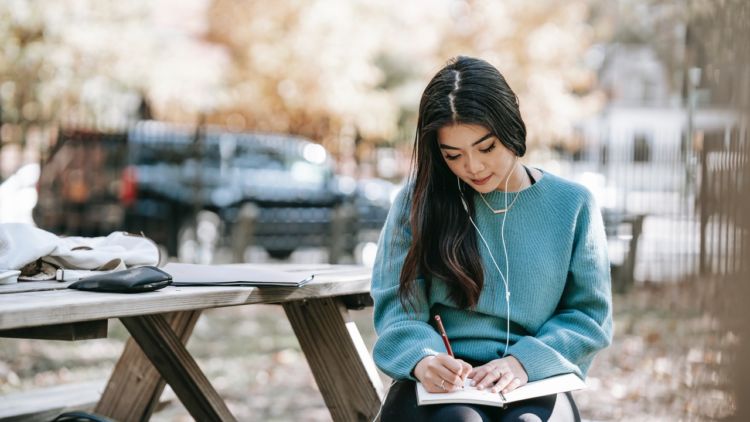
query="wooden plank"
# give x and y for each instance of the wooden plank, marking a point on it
(135, 386)
(33, 286)
(338, 358)
(64, 306)
(85, 330)
(44, 404)
(165, 350)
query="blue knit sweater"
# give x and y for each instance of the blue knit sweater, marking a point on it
(561, 304)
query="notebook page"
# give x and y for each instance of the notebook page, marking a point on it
(468, 395)
(547, 386)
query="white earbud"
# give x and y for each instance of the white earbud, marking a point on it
(461, 195)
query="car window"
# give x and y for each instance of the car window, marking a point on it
(272, 159)
(166, 151)
(84, 166)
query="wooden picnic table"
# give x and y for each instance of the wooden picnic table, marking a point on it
(160, 323)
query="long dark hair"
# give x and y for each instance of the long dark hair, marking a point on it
(444, 244)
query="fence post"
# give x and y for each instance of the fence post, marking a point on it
(704, 210)
(244, 230)
(341, 219)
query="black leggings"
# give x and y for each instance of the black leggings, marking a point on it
(401, 405)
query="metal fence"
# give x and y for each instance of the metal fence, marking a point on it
(724, 176)
(653, 174)
(719, 45)
(674, 176)
(677, 202)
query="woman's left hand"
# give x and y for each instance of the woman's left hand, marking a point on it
(505, 374)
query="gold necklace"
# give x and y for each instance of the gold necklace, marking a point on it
(506, 209)
(502, 210)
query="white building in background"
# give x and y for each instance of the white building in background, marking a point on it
(638, 144)
(641, 151)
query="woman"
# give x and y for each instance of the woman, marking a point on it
(512, 258)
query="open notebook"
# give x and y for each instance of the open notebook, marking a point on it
(545, 387)
(233, 275)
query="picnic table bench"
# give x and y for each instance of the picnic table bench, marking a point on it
(161, 322)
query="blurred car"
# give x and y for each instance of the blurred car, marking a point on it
(188, 188)
(373, 200)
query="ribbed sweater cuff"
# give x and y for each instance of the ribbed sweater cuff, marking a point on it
(539, 360)
(402, 361)
(413, 361)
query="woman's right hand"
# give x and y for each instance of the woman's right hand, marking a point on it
(442, 373)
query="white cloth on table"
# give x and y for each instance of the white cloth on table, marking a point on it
(21, 244)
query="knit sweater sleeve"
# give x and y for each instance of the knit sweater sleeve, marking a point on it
(582, 322)
(404, 335)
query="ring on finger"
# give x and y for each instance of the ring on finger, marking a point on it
(505, 376)
(514, 383)
(442, 384)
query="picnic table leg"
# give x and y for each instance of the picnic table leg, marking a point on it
(162, 346)
(135, 386)
(170, 357)
(338, 358)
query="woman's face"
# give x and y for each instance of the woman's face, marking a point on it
(475, 155)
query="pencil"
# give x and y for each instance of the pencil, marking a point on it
(444, 335)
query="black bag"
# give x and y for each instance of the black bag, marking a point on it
(77, 416)
(132, 280)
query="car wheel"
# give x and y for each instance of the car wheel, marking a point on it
(198, 238)
(280, 253)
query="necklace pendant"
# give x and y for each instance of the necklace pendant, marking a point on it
(502, 210)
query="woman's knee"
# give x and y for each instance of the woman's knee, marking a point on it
(459, 412)
(523, 415)
(555, 408)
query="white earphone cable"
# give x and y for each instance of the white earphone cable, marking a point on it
(507, 265)
(504, 277)
(505, 281)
